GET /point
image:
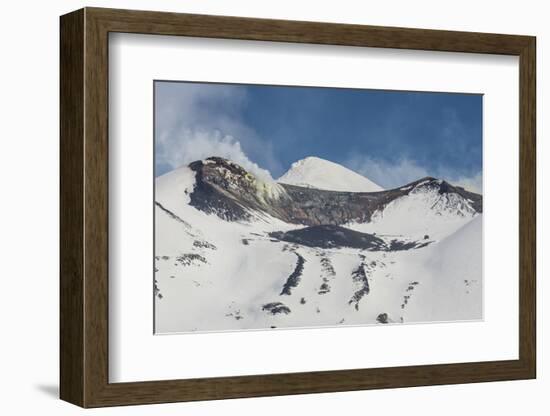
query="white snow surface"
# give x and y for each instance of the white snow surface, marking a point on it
(319, 173)
(423, 212)
(214, 275)
(451, 287)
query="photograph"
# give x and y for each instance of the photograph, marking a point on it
(301, 207)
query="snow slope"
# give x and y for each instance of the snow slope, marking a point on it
(423, 212)
(323, 174)
(218, 275)
(451, 274)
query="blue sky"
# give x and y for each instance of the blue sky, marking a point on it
(392, 137)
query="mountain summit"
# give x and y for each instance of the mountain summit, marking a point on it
(314, 172)
(224, 188)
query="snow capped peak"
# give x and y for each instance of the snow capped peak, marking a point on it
(312, 159)
(314, 172)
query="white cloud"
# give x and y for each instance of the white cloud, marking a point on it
(190, 145)
(394, 174)
(195, 121)
(472, 183)
(387, 175)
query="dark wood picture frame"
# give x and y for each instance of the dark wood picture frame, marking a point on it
(84, 207)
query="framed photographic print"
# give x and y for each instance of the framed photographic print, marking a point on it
(256, 207)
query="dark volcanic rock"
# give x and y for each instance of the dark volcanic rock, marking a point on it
(330, 236)
(382, 318)
(275, 308)
(398, 245)
(361, 280)
(229, 191)
(210, 193)
(334, 236)
(294, 278)
(190, 258)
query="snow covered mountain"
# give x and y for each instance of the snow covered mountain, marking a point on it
(234, 252)
(314, 172)
(227, 190)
